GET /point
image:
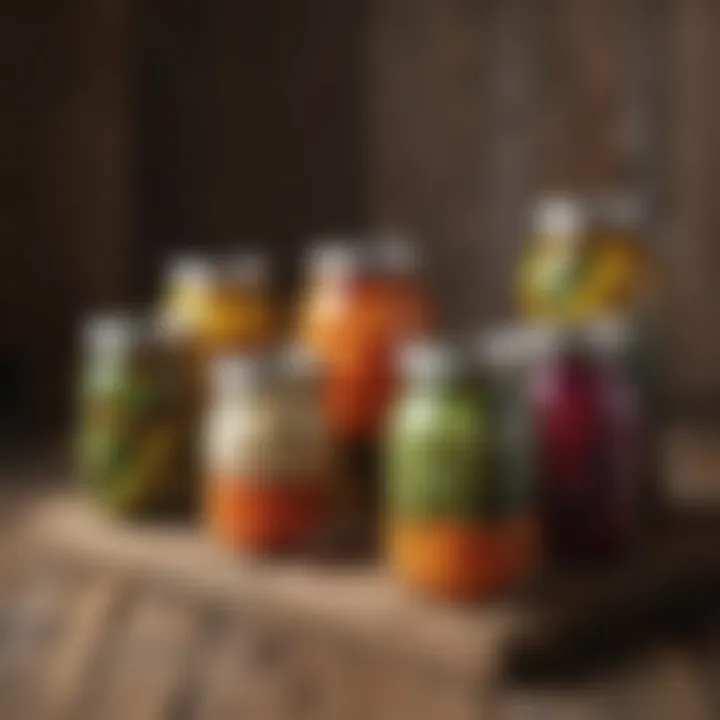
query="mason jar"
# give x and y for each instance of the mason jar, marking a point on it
(221, 304)
(585, 259)
(622, 277)
(361, 302)
(134, 430)
(451, 525)
(592, 450)
(552, 269)
(505, 358)
(266, 457)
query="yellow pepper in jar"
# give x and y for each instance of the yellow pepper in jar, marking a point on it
(220, 304)
(583, 261)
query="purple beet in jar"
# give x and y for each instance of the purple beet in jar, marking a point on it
(591, 449)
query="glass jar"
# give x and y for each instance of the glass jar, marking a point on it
(505, 357)
(134, 433)
(360, 306)
(222, 304)
(187, 286)
(621, 277)
(452, 530)
(266, 458)
(584, 260)
(591, 447)
(402, 295)
(553, 266)
(309, 454)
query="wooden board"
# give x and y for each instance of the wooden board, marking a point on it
(108, 619)
(680, 569)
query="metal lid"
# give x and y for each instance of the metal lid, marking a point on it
(609, 336)
(433, 360)
(337, 256)
(602, 339)
(118, 331)
(394, 253)
(238, 374)
(298, 362)
(559, 215)
(191, 268)
(249, 268)
(510, 348)
(621, 210)
(244, 268)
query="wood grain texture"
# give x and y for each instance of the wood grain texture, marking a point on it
(583, 135)
(693, 254)
(111, 620)
(33, 622)
(428, 89)
(250, 127)
(65, 178)
(144, 668)
(69, 671)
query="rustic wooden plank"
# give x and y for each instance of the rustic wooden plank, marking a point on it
(691, 459)
(710, 658)
(583, 702)
(35, 620)
(68, 672)
(613, 605)
(144, 668)
(666, 686)
(362, 602)
(318, 681)
(222, 682)
(693, 219)
(428, 93)
(512, 105)
(584, 138)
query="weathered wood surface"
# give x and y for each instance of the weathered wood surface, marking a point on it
(111, 621)
(474, 107)
(98, 635)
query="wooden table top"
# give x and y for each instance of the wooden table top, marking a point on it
(99, 619)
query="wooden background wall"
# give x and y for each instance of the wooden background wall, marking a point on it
(475, 106)
(134, 128)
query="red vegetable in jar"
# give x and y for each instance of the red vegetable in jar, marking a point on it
(590, 448)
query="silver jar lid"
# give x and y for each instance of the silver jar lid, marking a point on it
(296, 362)
(247, 268)
(619, 210)
(433, 360)
(523, 347)
(193, 269)
(238, 374)
(394, 253)
(119, 331)
(609, 337)
(559, 215)
(337, 257)
(511, 348)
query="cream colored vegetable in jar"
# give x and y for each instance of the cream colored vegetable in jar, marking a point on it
(267, 461)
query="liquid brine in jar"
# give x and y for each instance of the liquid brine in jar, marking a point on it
(134, 434)
(454, 529)
(592, 451)
(505, 358)
(585, 259)
(553, 269)
(219, 303)
(623, 276)
(362, 302)
(266, 458)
